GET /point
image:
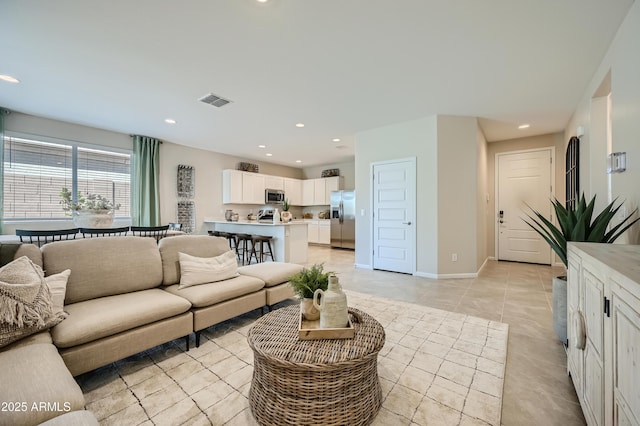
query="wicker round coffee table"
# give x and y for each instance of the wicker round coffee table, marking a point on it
(320, 382)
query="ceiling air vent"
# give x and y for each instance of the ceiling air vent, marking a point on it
(214, 100)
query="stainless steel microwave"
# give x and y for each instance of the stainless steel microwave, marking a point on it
(273, 196)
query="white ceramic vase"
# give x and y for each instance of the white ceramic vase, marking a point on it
(309, 312)
(93, 218)
(285, 216)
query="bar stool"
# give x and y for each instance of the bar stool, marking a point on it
(242, 248)
(230, 236)
(261, 240)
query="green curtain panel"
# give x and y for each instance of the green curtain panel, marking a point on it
(3, 112)
(146, 177)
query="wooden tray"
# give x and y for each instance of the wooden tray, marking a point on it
(310, 330)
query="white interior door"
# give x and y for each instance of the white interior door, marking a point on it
(394, 225)
(523, 179)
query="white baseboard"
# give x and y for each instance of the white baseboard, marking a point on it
(445, 276)
(362, 266)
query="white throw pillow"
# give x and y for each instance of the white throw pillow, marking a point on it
(57, 284)
(203, 270)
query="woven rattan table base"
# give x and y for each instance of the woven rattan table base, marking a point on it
(319, 382)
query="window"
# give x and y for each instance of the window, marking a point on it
(35, 171)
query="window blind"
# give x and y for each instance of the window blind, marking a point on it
(36, 171)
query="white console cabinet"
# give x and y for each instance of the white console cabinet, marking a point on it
(603, 328)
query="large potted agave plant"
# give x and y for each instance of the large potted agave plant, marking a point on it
(575, 224)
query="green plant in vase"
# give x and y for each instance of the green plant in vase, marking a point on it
(89, 210)
(304, 285)
(285, 216)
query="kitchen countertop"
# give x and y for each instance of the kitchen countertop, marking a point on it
(255, 222)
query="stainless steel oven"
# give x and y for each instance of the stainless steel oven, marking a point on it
(273, 196)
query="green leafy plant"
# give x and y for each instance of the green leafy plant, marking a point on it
(88, 202)
(285, 205)
(576, 224)
(307, 281)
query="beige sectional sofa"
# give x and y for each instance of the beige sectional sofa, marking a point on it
(123, 297)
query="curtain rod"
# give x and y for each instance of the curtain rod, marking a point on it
(131, 135)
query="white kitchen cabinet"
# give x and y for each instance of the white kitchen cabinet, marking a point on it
(319, 192)
(253, 188)
(324, 232)
(293, 191)
(603, 354)
(312, 231)
(333, 183)
(274, 182)
(308, 192)
(240, 187)
(232, 187)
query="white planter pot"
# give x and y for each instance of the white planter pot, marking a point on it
(309, 312)
(560, 308)
(92, 219)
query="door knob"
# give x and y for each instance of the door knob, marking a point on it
(406, 223)
(501, 221)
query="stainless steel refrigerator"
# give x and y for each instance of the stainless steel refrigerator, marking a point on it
(343, 219)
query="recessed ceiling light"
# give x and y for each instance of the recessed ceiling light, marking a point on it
(298, 161)
(9, 79)
(300, 125)
(170, 121)
(262, 1)
(262, 146)
(269, 154)
(524, 126)
(336, 139)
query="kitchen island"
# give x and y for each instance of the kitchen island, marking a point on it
(289, 240)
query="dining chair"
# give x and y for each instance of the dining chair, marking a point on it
(103, 232)
(157, 232)
(42, 237)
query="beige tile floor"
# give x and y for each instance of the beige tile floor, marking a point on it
(537, 390)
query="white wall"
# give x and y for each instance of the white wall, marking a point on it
(418, 139)
(551, 140)
(457, 188)
(482, 201)
(347, 171)
(623, 62)
(208, 169)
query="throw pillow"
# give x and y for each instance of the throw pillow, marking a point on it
(25, 301)
(203, 270)
(57, 284)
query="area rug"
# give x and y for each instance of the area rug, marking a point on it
(436, 368)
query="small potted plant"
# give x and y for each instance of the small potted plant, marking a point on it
(90, 210)
(286, 214)
(305, 283)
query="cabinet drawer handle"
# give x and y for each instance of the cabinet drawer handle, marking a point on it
(579, 330)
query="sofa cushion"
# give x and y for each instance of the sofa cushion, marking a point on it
(36, 377)
(105, 316)
(104, 266)
(57, 284)
(194, 245)
(209, 294)
(33, 339)
(13, 250)
(272, 273)
(25, 301)
(201, 270)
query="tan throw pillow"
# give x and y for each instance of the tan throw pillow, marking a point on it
(203, 270)
(25, 301)
(57, 284)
